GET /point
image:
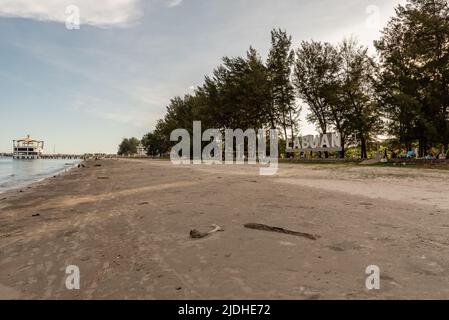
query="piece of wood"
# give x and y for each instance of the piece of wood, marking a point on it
(195, 234)
(262, 227)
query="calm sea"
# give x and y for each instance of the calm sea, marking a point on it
(19, 173)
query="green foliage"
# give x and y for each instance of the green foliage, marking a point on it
(128, 146)
(315, 74)
(337, 84)
(280, 62)
(405, 94)
(243, 93)
(237, 96)
(153, 144)
(414, 86)
(357, 94)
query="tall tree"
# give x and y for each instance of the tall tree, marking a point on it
(357, 93)
(243, 95)
(414, 52)
(337, 85)
(316, 68)
(279, 64)
(154, 144)
(128, 146)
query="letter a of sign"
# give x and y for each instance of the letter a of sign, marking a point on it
(72, 282)
(373, 280)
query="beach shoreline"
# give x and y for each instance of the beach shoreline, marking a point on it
(122, 223)
(30, 183)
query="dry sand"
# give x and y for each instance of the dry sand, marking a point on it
(126, 225)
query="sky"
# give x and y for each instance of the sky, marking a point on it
(83, 90)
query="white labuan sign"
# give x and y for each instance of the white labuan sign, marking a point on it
(320, 143)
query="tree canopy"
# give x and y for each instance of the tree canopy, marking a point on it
(414, 84)
(128, 146)
(402, 92)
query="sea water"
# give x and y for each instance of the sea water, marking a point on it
(19, 173)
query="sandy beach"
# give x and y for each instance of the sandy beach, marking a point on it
(126, 224)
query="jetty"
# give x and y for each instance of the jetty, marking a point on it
(48, 156)
(29, 149)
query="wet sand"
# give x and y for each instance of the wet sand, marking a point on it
(126, 224)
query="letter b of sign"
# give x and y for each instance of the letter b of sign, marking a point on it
(373, 280)
(72, 282)
(73, 20)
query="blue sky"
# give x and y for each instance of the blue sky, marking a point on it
(84, 90)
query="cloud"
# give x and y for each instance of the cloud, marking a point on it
(100, 13)
(173, 3)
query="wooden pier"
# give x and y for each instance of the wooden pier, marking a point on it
(51, 156)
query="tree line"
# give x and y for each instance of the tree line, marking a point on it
(402, 91)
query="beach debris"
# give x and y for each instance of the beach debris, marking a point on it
(262, 227)
(3, 199)
(81, 165)
(36, 215)
(103, 178)
(98, 165)
(369, 162)
(144, 203)
(195, 234)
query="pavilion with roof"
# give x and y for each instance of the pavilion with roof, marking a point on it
(27, 148)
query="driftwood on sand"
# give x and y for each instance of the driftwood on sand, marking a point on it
(195, 234)
(263, 227)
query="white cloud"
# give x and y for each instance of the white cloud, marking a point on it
(101, 13)
(173, 3)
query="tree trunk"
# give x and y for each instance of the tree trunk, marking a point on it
(422, 147)
(292, 126)
(364, 151)
(342, 142)
(284, 125)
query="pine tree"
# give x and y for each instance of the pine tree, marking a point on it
(414, 86)
(279, 64)
(357, 93)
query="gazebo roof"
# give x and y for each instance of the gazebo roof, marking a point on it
(28, 139)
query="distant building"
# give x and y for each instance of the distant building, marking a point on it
(141, 150)
(27, 148)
